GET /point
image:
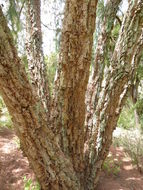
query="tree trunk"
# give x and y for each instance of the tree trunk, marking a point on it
(101, 57)
(56, 151)
(36, 63)
(52, 168)
(113, 94)
(73, 74)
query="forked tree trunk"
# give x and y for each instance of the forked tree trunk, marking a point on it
(67, 162)
(101, 59)
(122, 68)
(52, 168)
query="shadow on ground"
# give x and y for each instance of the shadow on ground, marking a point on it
(128, 178)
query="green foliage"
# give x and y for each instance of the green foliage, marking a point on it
(114, 36)
(17, 142)
(29, 185)
(115, 31)
(126, 119)
(141, 122)
(140, 70)
(51, 62)
(5, 119)
(1, 104)
(13, 16)
(111, 166)
(139, 105)
(132, 142)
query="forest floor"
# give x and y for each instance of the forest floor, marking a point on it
(124, 175)
(14, 167)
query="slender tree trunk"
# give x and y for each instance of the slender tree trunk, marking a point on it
(36, 63)
(101, 56)
(117, 83)
(95, 83)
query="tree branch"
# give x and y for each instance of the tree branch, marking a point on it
(118, 80)
(36, 63)
(72, 78)
(52, 168)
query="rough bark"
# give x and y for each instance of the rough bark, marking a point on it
(73, 74)
(95, 83)
(36, 63)
(59, 163)
(101, 56)
(53, 170)
(123, 64)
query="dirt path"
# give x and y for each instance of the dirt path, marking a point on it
(13, 168)
(128, 177)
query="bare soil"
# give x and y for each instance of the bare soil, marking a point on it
(128, 177)
(14, 166)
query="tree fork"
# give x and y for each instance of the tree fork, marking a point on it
(53, 170)
(101, 54)
(123, 66)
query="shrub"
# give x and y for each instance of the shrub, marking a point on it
(5, 119)
(127, 118)
(132, 142)
(111, 166)
(29, 185)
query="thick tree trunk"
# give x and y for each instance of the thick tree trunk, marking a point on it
(36, 63)
(60, 163)
(73, 74)
(53, 170)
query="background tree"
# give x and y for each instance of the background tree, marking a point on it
(64, 152)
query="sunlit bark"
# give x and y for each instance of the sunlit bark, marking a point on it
(73, 74)
(52, 168)
(101, 57)
(36, 63)
(65, 162)
(117, 83)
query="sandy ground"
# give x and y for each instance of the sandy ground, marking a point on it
(128, 177)
(14, 166)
